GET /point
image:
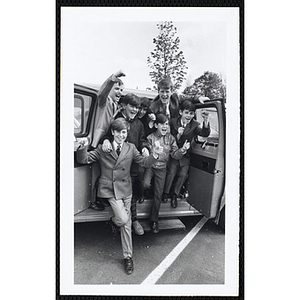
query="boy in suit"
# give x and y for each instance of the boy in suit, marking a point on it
(115, 180)
(130, 105)
(183, 128)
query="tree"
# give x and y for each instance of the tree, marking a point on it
(209, 85)
(166, 59)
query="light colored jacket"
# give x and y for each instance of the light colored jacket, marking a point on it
(169, 144)
(105, 111)
(115, 179)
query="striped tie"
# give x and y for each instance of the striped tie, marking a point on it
(118, 150)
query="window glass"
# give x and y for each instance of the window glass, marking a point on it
(82, 104)
(214, 124)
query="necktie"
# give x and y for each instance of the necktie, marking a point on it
(167, 111)
(118, 150)
(114, 108)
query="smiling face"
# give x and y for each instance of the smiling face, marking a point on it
(116, 91)
(165, 94)
(142, 112)
(130, 111)
(119, 136)
(162, 128)
(186, 116)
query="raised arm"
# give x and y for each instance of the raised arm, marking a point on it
(85, 157)
(107, 86)
(205, 129)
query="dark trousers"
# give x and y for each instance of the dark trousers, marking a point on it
(182, 171)
(137, 189)
(159, 182)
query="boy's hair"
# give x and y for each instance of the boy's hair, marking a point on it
(119, 82)
(161, 118)
(165, 83)
(131, 99)
(188, 105)
(144, 102)
(119, 124)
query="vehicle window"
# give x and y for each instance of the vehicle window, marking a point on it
(82, 104)
(213, 138)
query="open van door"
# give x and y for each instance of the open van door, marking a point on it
(206, 180)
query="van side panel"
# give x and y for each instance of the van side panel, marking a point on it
(200, 189)
(82, 187)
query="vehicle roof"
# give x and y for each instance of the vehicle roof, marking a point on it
(140, 93)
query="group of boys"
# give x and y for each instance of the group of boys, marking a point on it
(136, 140)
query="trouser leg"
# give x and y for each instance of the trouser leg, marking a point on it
(172, 170)
(147, 178)
(182, 176)
(141, 181)
(159, 182)
(133, 200)
(122, 218)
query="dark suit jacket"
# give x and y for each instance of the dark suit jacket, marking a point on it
(192, 129)
(115, 179)
(157, 107)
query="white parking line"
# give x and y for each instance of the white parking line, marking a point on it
(165, 264)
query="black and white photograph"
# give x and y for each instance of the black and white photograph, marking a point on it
(231, 231)
(149, 151)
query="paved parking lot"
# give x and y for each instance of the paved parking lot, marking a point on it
(98, 256)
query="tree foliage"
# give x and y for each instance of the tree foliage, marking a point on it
(166, 59)
(209, 85)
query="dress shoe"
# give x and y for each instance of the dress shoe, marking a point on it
(128, 265)
(114, 228)
(154, 227)
(142, 199)
(174, 201)
(105, 202)
(137, 227)
(165, 198)
(97, 205)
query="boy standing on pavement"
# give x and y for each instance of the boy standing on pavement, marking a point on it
(115, 180)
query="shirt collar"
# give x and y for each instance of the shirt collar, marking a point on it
(116, 145)
(127, 118)
(113, 101)
(180, 121)
(158, 135)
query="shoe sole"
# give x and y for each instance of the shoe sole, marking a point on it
(138, 233)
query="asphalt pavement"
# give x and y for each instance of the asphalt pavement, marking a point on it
(98, 256)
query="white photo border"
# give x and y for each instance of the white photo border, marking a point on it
(229, 15)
